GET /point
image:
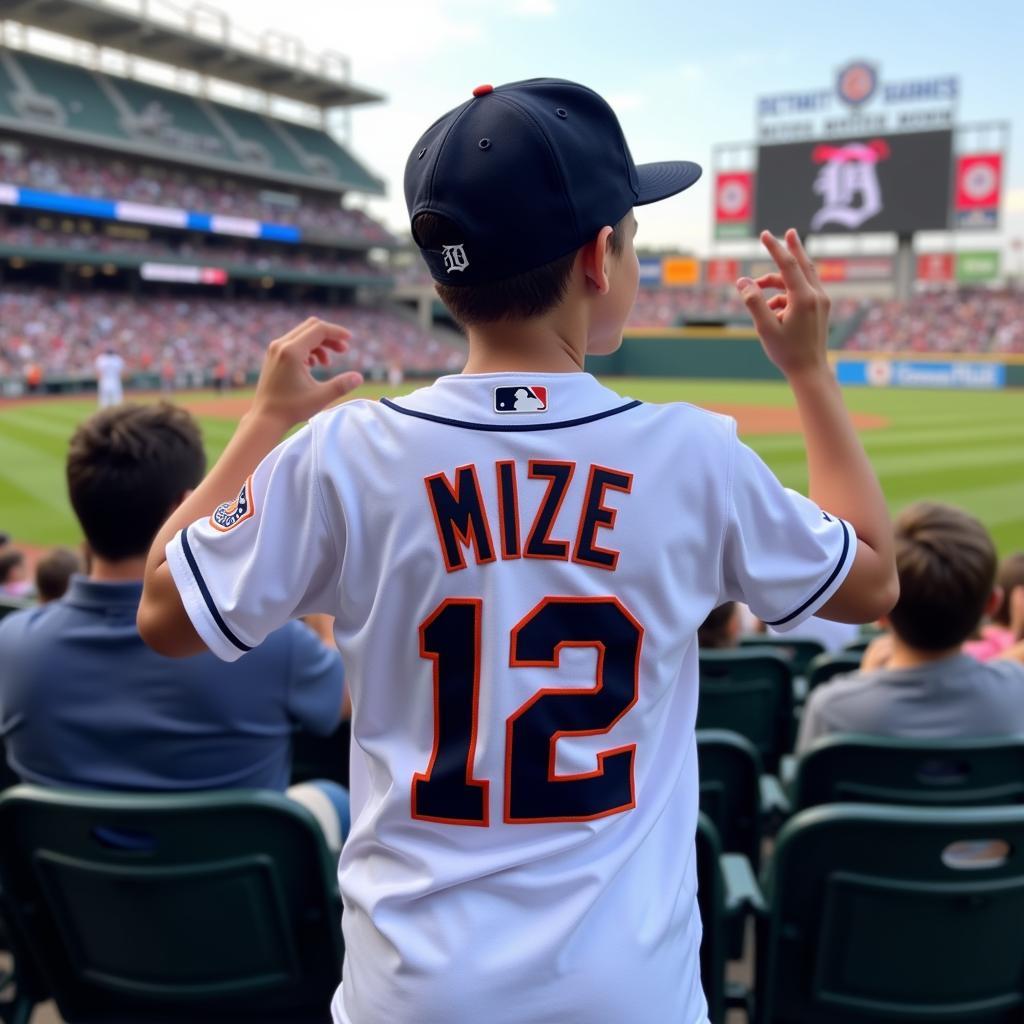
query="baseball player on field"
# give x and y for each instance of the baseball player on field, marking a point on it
(517, 560)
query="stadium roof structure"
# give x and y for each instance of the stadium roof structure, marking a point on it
(321, 81)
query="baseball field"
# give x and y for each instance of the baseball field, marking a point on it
(966, 448)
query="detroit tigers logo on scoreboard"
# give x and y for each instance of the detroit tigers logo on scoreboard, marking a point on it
(521, 399)
(231, 513)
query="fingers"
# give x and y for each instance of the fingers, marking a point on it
(341, 384)
(796, 247)
(301, 341)
(771, 281)
(764, 319)
(791, 272)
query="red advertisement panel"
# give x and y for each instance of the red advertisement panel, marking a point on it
(936, 266)
(722, 271)
(734, 204)
(978, 179)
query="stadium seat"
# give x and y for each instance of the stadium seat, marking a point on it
(726, 891)
(730, 790)
(825, 666)
(884, 914)
(160, 909)
(343, 165)
(799, 653)
(749, 692)
(174, 111)
(934, 773)
(322, 757)
(253, 129)
(86, 106)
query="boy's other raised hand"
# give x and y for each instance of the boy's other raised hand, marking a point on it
(792, 326)
(287, 392)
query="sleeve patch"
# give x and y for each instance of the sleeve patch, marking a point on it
(227, 516)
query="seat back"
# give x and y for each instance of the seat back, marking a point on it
(322, 757)
(173, 908)
(825, 666)
(799, 652)
(751, 693)
(711, 903)
(934, 773)
(730, 790)
(884, 914)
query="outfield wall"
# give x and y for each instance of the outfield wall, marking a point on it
(734, 353)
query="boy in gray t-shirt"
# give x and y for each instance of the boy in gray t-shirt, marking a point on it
(917, 683)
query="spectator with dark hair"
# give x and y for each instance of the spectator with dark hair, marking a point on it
(84, 702)
(721, 628)
(14, 581)
(998, 635)
(53, 573)
(918, 683)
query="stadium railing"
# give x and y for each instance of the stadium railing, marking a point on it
(171, 908)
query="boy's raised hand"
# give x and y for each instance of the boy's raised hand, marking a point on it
(287, 393)
(793, 326)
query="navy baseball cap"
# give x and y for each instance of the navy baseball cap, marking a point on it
(526, 173)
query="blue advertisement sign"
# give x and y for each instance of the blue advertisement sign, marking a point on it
(897, 373)
(650, 273)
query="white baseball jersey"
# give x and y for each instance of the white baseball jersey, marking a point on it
(109, 367)
(518, 565)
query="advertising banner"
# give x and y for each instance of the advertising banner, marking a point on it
(935, 266)
(734, 204)
(650, 272)
(679, 271)
(895, 183)
(975, 267)
(897, 373)
(721, 271)
(979, 180)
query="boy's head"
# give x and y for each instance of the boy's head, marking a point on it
(947, 567)
(522, 197)
(127, 468)
(53, 573)
(721, 628)
(12, 566)
(1009, 577)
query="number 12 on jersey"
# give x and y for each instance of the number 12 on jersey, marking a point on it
(451, 638)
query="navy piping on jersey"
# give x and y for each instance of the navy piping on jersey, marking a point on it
(510, 426)
(828, 583)
(204, 590)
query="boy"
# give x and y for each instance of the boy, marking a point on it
(518, 580)
(918, 683)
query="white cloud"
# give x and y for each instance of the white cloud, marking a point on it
(623, 102)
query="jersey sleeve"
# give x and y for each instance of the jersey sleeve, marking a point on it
(264, 558)
(781, 554)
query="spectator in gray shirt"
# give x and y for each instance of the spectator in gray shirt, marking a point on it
(916, 682)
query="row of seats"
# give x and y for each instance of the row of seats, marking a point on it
(38, 90)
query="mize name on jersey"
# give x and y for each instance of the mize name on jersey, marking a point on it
(462, 519)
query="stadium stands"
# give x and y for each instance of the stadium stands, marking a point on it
(37, 92)
(64, 332)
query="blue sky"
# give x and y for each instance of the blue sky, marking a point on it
(682, 75)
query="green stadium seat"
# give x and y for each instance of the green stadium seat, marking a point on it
(825, 666)
(322, 757)
(730, 790)
(798, 652)
(727, 892)
(934, 773)
(346, 168)
(6, 90)
(87, 107)
(252, 127)
(180, 111)
(878, 915)
(167, 909)
(749, 692)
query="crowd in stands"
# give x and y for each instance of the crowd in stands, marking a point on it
(60, 334)
(77, 172)
(190, 247)
(958, 320)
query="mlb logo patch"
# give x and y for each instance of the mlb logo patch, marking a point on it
(521, 399)
(231, 513)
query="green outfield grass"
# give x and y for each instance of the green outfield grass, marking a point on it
(961, 447)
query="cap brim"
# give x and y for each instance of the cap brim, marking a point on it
(665, 178)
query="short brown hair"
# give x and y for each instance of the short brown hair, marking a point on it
(1008, 578)
(714, 631)
(127, 467)
(54, 571)
(947, 568)
(532, 293)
